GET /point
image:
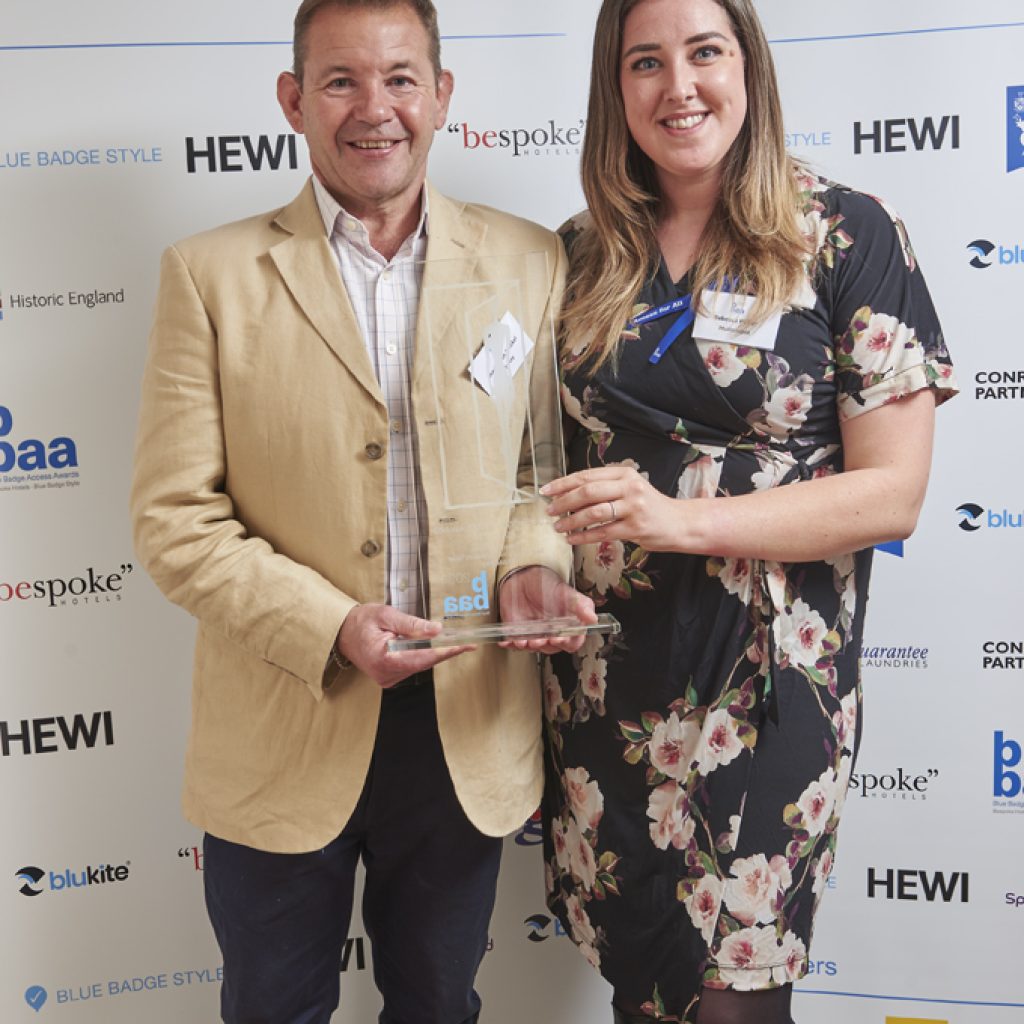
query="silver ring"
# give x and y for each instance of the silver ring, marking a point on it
(611, 505)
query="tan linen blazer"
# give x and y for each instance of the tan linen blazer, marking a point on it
(252, 502)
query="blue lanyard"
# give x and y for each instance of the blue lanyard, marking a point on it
(683, 306)
(686, 317)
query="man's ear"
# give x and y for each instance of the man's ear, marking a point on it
(289, 95)
(445, 87)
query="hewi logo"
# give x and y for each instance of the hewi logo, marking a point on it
(891, 136)
(39, 735)
(902, 884)
(62, 881)
(239, 153)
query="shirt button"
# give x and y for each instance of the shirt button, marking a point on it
(385, 274)
(403, 585)
(373, 451)
(396, 426)
(351, 225)
(391, 349)
(402, 506)
(370, 548)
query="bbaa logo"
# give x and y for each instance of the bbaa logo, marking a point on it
(32, 454)
(475, 601)
(1014, 128)
(1007, 783)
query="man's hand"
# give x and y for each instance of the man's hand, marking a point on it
(539, 593)
(364, 635)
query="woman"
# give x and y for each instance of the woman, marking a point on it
(724, 500)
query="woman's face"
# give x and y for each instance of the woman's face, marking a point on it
(681, 73)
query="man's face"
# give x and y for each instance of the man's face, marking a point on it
(368, 105)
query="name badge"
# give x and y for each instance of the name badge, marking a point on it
(726, 320)
(504, 351)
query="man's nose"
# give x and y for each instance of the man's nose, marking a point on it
(372, 104)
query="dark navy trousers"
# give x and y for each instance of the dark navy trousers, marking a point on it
(281, 920)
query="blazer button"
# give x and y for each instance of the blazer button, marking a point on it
(373, 451)
(370, 548)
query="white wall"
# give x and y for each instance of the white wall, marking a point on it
(78, 77)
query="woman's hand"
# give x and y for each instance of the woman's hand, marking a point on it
(615, 503)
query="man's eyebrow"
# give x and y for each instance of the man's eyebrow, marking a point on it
(345, 69)
(701, 37)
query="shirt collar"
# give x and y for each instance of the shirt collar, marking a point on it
(338, 222)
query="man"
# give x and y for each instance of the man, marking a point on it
(285, 492)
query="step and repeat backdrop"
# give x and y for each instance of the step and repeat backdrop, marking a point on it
(127, 126)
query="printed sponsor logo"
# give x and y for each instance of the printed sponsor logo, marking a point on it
(987, 254)
(906, 134)
(1015, 900)
(221, 154)
(823, 968)
(476, 601)
(137, 985)
(37, 881)
(891, 547)
(973, 518)
(82, 156)
(353, 955)
(58, 734)
(817, 139)
(550, 139)
(897, 785)
(194, 855)
(91, 586)
(1002, 654)
(540, 927)
(532, 832)
(903, 656)
(1014, 128)
(71, 298)
(1007, 775)
(36, 997)
(34, 463)
(914, 884)
(999, 385)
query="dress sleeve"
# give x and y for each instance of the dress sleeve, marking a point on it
(889, 342)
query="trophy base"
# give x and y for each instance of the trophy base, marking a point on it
(495, 632)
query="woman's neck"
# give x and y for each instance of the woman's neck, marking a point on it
(683, 214)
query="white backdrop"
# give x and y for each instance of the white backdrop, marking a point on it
(102, 904)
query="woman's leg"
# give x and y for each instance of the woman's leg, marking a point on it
(725, 1006)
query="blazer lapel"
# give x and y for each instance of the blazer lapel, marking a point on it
(453, 255)
(309, 269)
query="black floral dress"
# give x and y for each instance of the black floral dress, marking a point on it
(699, 761)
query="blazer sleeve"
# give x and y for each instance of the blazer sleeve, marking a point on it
(186, 533)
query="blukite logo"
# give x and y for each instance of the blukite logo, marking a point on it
(31, 876)
(538, 925)
(969, 516)
(982, 248)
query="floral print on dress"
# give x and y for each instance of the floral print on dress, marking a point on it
(699, 761)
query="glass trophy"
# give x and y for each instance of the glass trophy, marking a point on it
(485, 400)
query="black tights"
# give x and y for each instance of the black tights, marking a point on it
(724, 1006)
